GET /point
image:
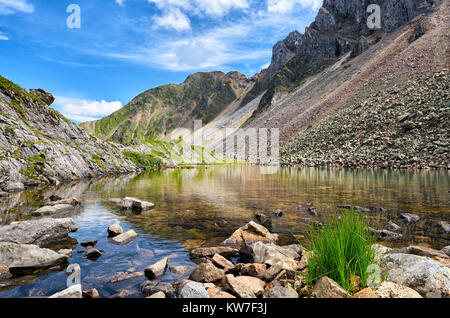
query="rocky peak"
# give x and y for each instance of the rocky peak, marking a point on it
(284, 50)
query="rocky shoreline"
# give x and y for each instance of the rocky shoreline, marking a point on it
(249, 264)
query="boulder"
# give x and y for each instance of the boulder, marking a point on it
(71, 201)
(425, 251)
(249, 234)
(328, 288)
(120, 277)
(288, 265)
(136, 205)
(89, 244)
(114, 230)
(443, 227)
(38, 232)
(71, 292)
(125, 238)
(4, 272)
(52, 210)
(254, 270)
(207, 273)
(270, 254)
(158, 295)
(391, 226)
(392, 290)
(93, 254)
(429, 278)
(282, 292)
(23, 257)
(222, 262)
(46, 97)
(157, 270)
(149, 288)
(217, 292)
(211, 251)
(243, 286)
(192, 290)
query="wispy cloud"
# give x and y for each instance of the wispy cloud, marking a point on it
(3, 37)
(82, 110)
(8, 7)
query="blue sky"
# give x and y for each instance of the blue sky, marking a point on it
(125, 47)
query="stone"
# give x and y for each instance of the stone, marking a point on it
(207, 273)
(221, 262)
(114, 230)
(250, 233)
(365, 293)
(125, 238)
(72, 201)
(192, 290)
(385, 235)
(443, 227)
(71, 292)
(67, 252)
(158, 295)
(52, 210)
(328, 288)
(262, 219)
(150, 287)
(89, 244)
(217, 292)
(211, 251)
(244, 286)
(409, 218)
(20, 257)
(157, 270)
(91, 294)
(14, 187)
(392, 290)
(93, 254)
(254, 270)
(446, 250)
(270, 254)
(115, 201)
(278, 213)
(46, 97)
(425, 251)
(121, 276)
(429, 278)
(136, 205)
(4, 272)
(282, 292)
(180, 270)
(288, 265)
(391, 226)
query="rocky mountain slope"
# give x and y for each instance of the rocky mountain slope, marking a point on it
(40, 146)
(157, 112)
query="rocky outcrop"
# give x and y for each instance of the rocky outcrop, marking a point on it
(41, 232)
(46, 97)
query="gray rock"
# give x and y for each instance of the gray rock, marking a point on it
(385, 235)
(4, 272)
(67, 252)
(125, 238)
(38, 232)
(20, 257)
(424, 251)
(392, 290)
(52, 210)
(282, 292)
(288, 265)
(46, 97)
(271, 254)
(192, 290)
(14, 187)
(409, 218)
(429, 278)
(136, 205)
(71, 292)
(446, 250)
(150, 287)
(157, 270)
(211, 251)
(391, 226)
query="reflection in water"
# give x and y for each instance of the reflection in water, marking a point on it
(205, 205)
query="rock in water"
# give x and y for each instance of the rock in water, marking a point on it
(4, 272)
(91, 294)
(71, 292)
(157, 270)
(136, 205)
(250, 233)
(328, 288)
(93, 254)
(446, 250)
(23, 257)
(125, 238)
(53, 209)
(114, 230)
(392, 290)
(443, 227)
(39, 232)
(429, 278)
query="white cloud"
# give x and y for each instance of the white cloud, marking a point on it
(8, 7)
(3, 37)
(174, 19)
(119, 2)
(85, 110)
(285, 6)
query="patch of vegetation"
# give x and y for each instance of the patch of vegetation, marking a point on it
(30, 172)
(10, 131)
(37, 158)
(342, 250)
(142, 160)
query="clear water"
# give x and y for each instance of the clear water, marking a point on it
(191, 206)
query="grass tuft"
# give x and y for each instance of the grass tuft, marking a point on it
(342, 251)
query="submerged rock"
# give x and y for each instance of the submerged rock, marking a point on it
(71, 292)
(23, 257)
(429, 278)
(443, 227)
(250, 233)
(120, 277)
(125, 238)
(409, 218)
(93, 254)
(157, 270)
(38, 232)
(180, 270)
(71, 201)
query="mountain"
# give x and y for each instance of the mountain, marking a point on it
(156, 113)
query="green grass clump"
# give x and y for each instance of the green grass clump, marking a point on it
(342, 250)
(142, 160)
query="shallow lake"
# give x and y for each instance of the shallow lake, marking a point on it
(192, 205)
